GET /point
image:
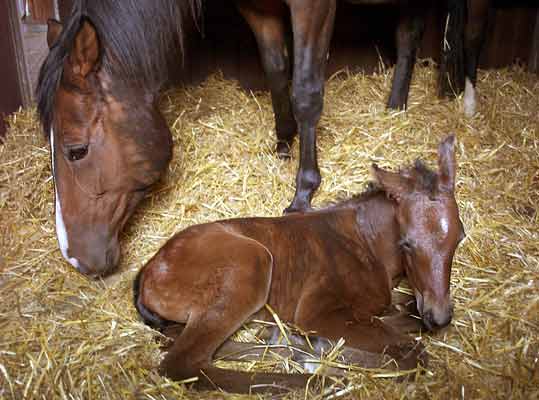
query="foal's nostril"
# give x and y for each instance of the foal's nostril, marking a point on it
(433, 321)
(428, 319)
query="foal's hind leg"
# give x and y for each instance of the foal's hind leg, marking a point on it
(205, 331)
(266, 19)
(312, 25)
(218, 292)
(408, 37)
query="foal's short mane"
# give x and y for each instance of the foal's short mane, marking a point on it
(423, 177)
(139, 39)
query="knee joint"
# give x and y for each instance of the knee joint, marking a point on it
(308, 100)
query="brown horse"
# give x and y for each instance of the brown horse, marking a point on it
(329, 271)
(97, 98)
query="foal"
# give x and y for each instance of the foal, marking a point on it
(329, 271)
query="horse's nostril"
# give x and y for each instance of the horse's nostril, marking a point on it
(109, 259)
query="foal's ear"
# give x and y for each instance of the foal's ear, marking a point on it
(54, 29)
(447, 163)
(85, 52)
(393, 183)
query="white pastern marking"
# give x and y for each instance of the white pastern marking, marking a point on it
(310, 367)
(444, 225)
(470, 103)
(61, 232)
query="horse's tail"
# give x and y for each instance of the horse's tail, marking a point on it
(452, 63)
(150, 318)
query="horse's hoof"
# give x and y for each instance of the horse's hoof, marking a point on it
(295, 209)
(283, 150)
(395, 105)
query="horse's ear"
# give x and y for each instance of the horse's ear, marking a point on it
(393, 183)
(85, 53)
(54, 29)
(447, 163)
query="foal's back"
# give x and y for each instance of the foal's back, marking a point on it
(322, 251)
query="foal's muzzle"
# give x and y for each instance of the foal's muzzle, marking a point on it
(436, 320)
(434, 314)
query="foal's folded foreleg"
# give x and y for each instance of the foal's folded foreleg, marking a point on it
(382, 345)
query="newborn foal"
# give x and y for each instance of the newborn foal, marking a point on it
(329, 271)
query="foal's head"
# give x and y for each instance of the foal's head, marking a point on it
(109, 143)
(430, 229)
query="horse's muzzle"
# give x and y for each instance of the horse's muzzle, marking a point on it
(96, 262)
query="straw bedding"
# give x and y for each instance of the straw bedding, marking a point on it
(63, 336)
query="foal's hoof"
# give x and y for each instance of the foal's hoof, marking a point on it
(170, 368)
(408, 355)
(283, 149)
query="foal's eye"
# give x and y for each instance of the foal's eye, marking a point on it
(406, 246)
(77, 152)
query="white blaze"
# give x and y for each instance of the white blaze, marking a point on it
(469, 99)
(61, 232)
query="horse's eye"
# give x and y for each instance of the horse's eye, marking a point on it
(77, 152)
(406, 246)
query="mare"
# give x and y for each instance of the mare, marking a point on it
(98, 102)
(330, 271)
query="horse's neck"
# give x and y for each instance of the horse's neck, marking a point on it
(378, 228)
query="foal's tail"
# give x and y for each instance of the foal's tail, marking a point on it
(150, 318)
(452, 63)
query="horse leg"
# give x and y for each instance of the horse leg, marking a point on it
(216, 292)
(312, 26)
(409, 33)
(376, 339)
(403, 322)
(191, 353)
(267, 23)
(476, 25)
(318, 310)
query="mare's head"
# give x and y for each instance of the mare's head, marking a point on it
(430, 230)
(109, 143)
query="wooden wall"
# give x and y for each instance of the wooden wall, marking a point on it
(11, 92)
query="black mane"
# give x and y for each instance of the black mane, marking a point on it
(139, 40)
